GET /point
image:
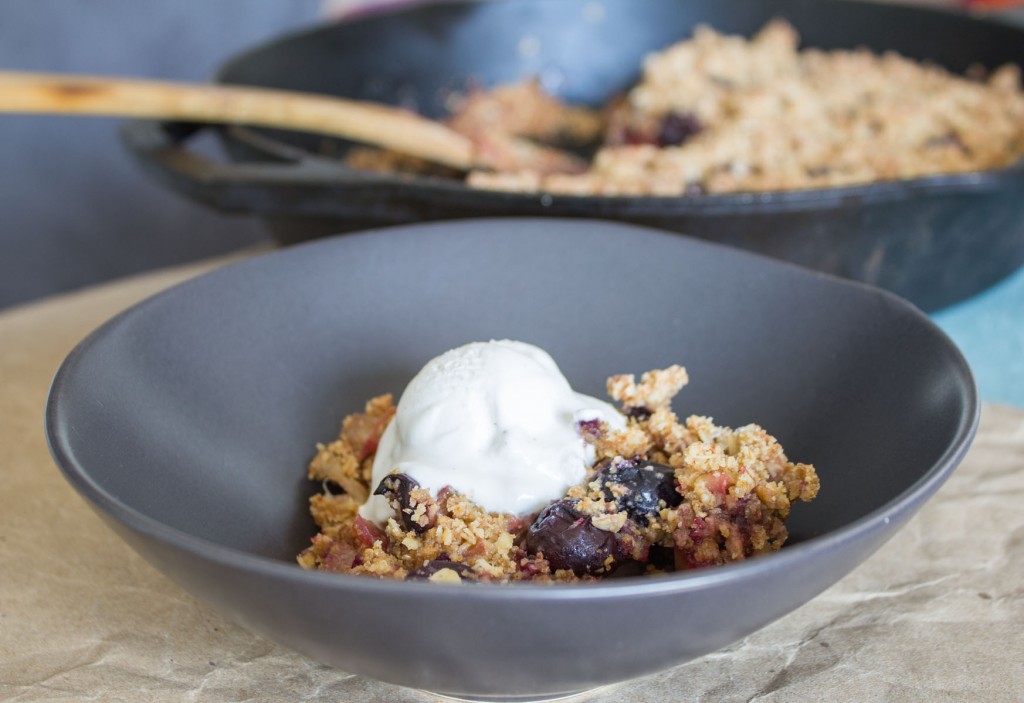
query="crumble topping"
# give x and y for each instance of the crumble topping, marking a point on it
(663, 496)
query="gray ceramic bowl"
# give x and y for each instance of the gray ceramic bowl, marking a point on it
(188, 421)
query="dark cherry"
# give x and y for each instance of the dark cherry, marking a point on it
(569, 540)
(396, 488)
(647, 483)
(640, 412)
(435, 565)
(662, 558)
(677, 128)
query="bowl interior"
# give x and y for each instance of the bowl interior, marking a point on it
(200, 408)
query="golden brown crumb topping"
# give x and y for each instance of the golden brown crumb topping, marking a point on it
(718, 113)
(662, 496)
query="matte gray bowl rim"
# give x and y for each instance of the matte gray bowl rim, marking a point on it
(908, 501)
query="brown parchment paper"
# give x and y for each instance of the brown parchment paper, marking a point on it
(936, 615)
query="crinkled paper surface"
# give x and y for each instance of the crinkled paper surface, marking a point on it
(936, 615)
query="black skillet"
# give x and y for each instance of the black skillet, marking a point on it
(934, 240)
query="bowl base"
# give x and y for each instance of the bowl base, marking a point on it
(543, 698)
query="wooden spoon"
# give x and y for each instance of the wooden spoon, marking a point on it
(365, 122)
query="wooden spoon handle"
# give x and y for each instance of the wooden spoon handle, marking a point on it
(364, 122)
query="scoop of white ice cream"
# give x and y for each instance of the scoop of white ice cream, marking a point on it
(497, 421)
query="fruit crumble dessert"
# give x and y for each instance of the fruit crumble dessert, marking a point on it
(491, 468)
(719, 113)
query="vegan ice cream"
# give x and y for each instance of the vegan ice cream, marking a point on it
(497, 422)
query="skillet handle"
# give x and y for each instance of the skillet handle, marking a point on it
(256, 188)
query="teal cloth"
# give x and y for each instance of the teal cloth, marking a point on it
(989, 329)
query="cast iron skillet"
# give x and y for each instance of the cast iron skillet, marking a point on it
(933, 240)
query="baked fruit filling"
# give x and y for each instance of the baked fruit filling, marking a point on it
(661, 495)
